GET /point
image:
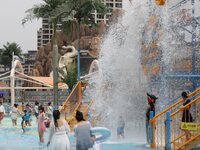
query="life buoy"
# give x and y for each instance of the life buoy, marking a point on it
(101, 134)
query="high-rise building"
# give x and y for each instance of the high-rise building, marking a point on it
(44, 34)
(29, 61)
(112, 4)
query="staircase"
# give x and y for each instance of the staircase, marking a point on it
(177, 135)
(73, 103)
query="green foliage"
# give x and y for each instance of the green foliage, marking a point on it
(78, 11)
(7, 51)
(43, 10)
(68, 75)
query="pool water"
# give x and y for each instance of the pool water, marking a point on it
(13, 138)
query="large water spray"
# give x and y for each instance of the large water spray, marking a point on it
(120, 85)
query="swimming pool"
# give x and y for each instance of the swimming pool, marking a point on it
(12, 138)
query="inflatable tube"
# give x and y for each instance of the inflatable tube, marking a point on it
(101, 134)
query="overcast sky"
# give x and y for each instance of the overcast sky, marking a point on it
(11, 30)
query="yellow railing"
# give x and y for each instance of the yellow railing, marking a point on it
(72, 103)
(180, 137)
(158, 122)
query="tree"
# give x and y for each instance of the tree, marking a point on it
(69, 75)
(79, 11)
(45, 10)
(6, 54)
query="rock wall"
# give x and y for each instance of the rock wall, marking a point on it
(90, 40)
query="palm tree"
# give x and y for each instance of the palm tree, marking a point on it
(45, 10)
(79, 11)
(6, 54)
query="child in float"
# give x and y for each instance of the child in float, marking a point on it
(2, 111)
(41, 124)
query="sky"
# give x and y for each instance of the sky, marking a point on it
(11, 29)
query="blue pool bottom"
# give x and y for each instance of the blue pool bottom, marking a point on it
(13, 138)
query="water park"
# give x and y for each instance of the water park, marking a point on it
(140, 90)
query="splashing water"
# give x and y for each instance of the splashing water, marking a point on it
(120, 85)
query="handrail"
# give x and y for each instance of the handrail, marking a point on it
(183, 107)
(190, 140)
(158, 121)
(67, 99)
(76, 108)
(195, 134)
(173, 105)
(72, 114)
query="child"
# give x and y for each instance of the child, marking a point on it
(120, 128)
(25, 120)
(41, 124)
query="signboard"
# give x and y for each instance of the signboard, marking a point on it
(189, 126)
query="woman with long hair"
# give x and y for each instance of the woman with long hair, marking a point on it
(58, 135)
(41, 125)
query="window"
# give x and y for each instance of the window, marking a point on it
(118, 5)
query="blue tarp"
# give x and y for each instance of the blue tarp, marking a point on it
(3, 92)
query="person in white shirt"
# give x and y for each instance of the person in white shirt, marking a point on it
(14, 112)
(2, 111)
(58, 134)
(49, 111)
(36, 109)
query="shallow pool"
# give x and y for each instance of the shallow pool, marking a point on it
(12, 138)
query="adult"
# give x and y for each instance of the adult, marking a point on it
(151, 107)
(36, 109)
(2, 111)
(41, 124)
(14, 113)
(58, 134)
(49, 111)
(82, 133)
(186, 116)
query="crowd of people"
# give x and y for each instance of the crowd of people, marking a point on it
(59, 129)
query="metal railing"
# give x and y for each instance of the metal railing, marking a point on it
(184, 133)
(72, 103)
(158, 121)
